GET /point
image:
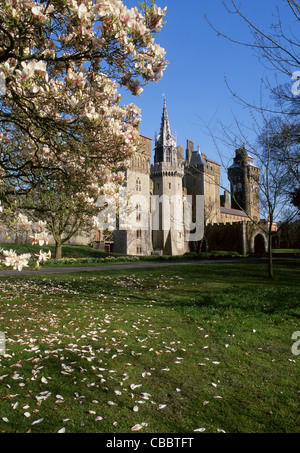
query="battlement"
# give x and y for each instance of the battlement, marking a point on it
(167, 169)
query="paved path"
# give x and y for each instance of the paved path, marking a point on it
(67, 270)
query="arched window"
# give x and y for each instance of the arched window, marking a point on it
(138, 185)
(138, 210)
(168, 155)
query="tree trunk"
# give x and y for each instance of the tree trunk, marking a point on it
(270, 256)
(200, 244)
(58, 249)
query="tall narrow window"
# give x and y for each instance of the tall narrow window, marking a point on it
(168, 155)
(138, 210)
(138, 185)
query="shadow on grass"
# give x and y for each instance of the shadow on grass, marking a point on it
(243, 286)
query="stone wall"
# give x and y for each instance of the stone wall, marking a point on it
(241, 237)
(8, 237)
(227, 237)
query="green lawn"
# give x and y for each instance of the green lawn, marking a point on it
(287, 251)
(69, 251)
(172, 350)
(78, 255)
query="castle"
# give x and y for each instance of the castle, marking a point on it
(158, 194)
(174, 176)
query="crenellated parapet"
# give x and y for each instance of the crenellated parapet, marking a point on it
(167, 169)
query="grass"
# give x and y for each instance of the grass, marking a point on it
(208, 346)
(77, 255)
(287, 251)
(69, 251)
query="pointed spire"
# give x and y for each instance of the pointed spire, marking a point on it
(165, 136)
(165, 142)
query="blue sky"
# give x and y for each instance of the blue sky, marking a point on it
(194, 85)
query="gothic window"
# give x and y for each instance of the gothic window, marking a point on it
(143, 164)
(138, 210)
(139, 250)
(139, 234)
(168, 155)
(138, 185)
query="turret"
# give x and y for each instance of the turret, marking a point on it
(244, 178)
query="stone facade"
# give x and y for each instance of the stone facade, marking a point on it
(137, 241)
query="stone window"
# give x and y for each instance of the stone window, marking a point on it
(138, 210)
(139, 234)
(168, 155)
(138, 185)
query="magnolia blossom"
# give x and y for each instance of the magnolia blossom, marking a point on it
(63, 62)
(17, 262)
(12, 259)
(43, 256)
(42, 224)
(39, 238)
(23, 221)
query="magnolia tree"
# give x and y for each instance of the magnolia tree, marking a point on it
(61, 63)
(67, 207)
(38, 235)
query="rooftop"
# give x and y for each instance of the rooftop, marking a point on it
(233, 212)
